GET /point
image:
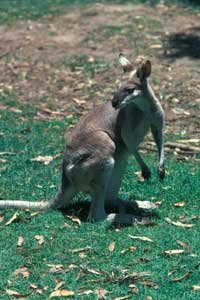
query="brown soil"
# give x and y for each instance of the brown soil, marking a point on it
(31, 56)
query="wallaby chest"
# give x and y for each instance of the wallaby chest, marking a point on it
(135, 125)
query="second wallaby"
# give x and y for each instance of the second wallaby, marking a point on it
(97, 152)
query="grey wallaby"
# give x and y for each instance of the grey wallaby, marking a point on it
(98, 148)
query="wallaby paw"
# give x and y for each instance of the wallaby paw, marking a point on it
(161, 172)
(146, 173)
(126, 219)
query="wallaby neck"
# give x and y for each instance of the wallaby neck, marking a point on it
(150, 95)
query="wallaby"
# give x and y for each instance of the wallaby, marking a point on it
(97, 151)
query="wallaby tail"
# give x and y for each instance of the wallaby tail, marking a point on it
(40, 205)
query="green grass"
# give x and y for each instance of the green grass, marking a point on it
(22, 178)
(15, 10)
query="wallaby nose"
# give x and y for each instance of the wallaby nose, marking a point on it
(115, 104)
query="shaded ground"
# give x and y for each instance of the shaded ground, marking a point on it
(66, 64)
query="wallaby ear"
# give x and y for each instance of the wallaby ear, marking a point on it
(125, 63)
(146, 69)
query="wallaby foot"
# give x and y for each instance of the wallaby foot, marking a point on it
(161, 172)
(146, 173)
(122, 218)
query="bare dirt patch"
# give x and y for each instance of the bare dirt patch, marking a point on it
(66, 64)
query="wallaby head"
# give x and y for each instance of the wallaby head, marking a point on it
(135, 85)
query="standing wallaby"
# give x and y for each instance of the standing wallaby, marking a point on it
(97, 151)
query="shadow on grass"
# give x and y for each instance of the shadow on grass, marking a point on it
(81, 209)
(184, 44)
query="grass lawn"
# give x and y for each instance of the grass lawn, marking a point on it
(50, 253)
(94, 269)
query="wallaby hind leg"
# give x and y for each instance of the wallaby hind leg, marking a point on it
(112, 200)
(65, 194)
(98, 188)
(146, 173)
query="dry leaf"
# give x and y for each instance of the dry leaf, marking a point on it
(2, 160)
(131, 249)
(40, 239)
(33, 285)
(179, 204)
(22, 271)
(1, 218)
(146, 204)
(45, 159)
(184, 245)
(80, 249)
(101, 293)
(59, 285)
(174, 252)
(75, 219)
(14, 217)
(178, 223)
(123, 297)
(111, 247)
(61, 293)
(35, 213)
(86, 292)
(89, 270)
(156, 46)
(12, 293)
(171, 272)
(55, 268)
(140, 178)
(196, 287)
(185, 276)
(20, 241)
(141, 238)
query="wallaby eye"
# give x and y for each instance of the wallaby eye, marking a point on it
(130, 90)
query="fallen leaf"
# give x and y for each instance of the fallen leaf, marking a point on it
(123, 297)
(59, 285)
(140, 178)
(174, 252)
(80, 249)
(2, 160)
(111, 246)
(40, 239)
(61, 293)
(7, 153)
(141, 238)
(131, 249)
(89, 270)
(146, 204)
(45, 159)
(12, 293)
(20, 241)
(178, 223)
(55, 268)
(33, 285)
(86, 292)
(179, 204)
(185, 276)
(156, 46)
(196, 287)
(133, 288)
(170, 273)
(35, 213)
(14, 217)
(1, 218)
(24, 272)
(184, 245)
(101, 293)
(180, 111)
(15, 294)
(75, 219)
